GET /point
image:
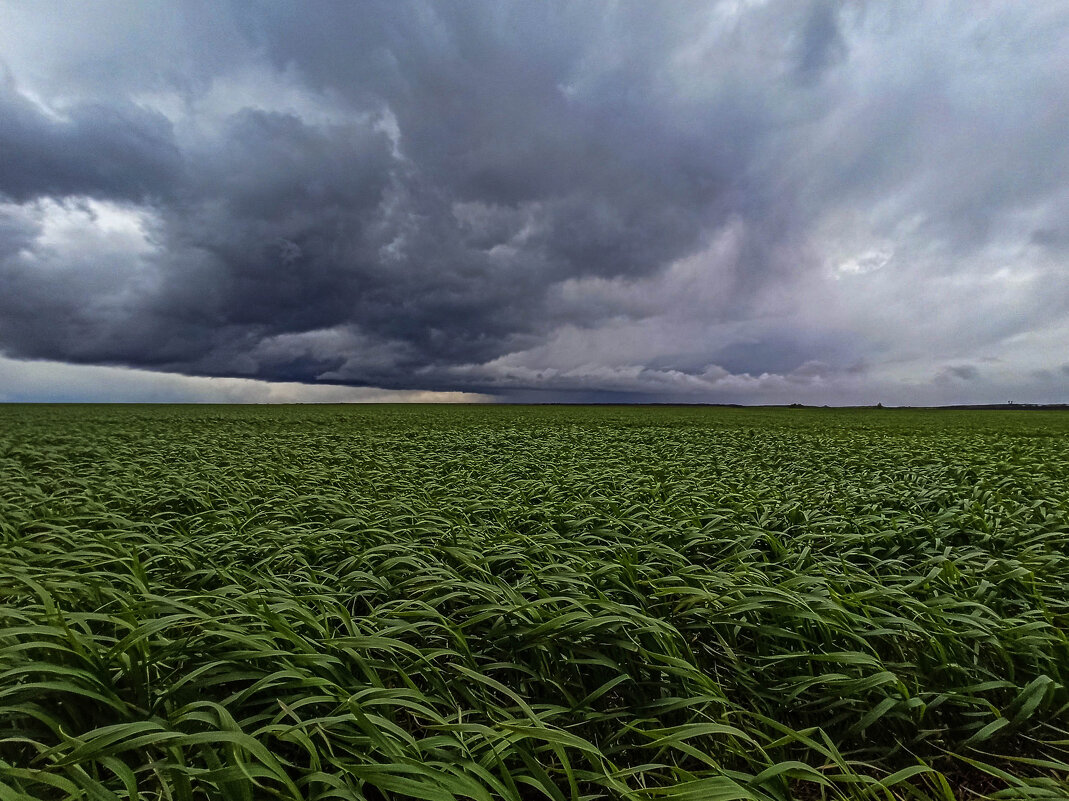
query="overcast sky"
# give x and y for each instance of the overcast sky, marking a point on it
(753, 202)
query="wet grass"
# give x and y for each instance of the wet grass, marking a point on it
(520, 603)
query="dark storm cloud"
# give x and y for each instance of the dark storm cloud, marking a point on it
(116, 151)
(631, 198)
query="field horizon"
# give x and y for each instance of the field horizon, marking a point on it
(593, 404)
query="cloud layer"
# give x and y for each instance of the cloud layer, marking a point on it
(734, 201)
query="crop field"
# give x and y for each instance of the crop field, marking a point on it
(491, 602)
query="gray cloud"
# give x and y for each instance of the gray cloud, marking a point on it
(821, 42)
(962, 372)
(119, 150)
(726, 201)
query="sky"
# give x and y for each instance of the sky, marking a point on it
(607, 200)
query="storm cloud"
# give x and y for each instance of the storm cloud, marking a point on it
(734, 201)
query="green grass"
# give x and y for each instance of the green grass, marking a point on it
(522, 603)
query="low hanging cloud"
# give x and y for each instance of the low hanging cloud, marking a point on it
(742, 202)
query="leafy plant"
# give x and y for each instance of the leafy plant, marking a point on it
(532, 602)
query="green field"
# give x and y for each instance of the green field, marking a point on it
(372, 602)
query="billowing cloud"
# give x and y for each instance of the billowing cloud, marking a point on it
(733, 201)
